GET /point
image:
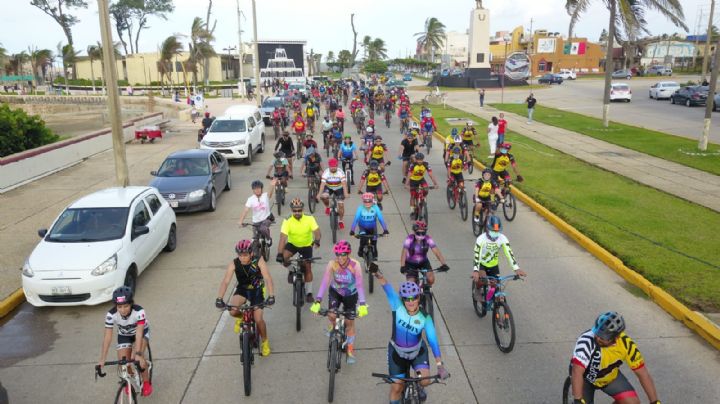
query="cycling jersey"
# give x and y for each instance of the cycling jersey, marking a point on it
(487, 252)
(417, 249)
(389, 106)
(299, 232)
(346, 151)
(299, 126)
(285, 145)
(333, 180)
(366, 219)
(602, 364)
(373, 179)
(326, 126)
(408, 147)
(456, 165)
(378, 152)
(468, 133)
(417, 171)
(428, 124)
(340, 115)
(345, 281)
(127, 326)
(407, 329)
(502, 161)
(483, 189)
(248, 275)
(310, 112)
(404, 113)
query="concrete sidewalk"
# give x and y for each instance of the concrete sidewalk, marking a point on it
(685, 182)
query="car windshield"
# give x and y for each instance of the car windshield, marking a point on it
(184, 167)
(88, 225)
(296, 87)
(272, 103)
(228, 125)
(621, 88)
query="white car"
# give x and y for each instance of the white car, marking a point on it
(620, 91)
(663, 89)
(567, 74)
(99, 243)
(238, 134)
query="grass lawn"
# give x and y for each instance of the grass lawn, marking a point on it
(669, 147)
(672, 242)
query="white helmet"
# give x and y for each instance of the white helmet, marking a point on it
(369, 129)
(414, 125)
(469, 123)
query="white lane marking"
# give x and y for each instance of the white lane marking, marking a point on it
(216, 334)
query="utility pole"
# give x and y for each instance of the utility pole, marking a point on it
(227, 65)
(256, 58)
(113, 99)
(702, 144)
(532, 40)
(708, 39)
(241, 86)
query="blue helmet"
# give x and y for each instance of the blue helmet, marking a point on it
(609, 325)
(454, 132)
(494, 224)
(409, 289)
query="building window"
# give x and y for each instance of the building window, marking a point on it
(541, 66)
(480, 57)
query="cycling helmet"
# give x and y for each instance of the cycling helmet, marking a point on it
(243, 246)
(486, 171)
(310, 150)
(609, 325)
(256, 184)
(122, 295)
(342, 247)
(369, 129)
(371, 122)
(414, 125)
(374, 165)
(347, 136)
(368, 197)
(409, 289)
(279, 155)
(505, 145)
(419, 156)
(429, 114)
(207, 115)
(378, 137)
(469, 123)
(494, 224)
(454, 132)
(297, 203)
(457, 139)
(333, 162)
(419, 226)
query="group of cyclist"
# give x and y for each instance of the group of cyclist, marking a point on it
(597, 355)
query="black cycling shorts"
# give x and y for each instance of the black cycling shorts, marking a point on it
(400, 367)
(127, 341)
(349, 303)
(490, 271)
(305, 252)
(457, 177)
(254, 296)
(339, 193)
(617, 389)
(411, 268)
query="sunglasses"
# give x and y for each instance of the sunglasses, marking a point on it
(342, 255)
(410, 299)
(297, 211)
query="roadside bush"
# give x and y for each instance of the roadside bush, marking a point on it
(20, 131)
(375, 66)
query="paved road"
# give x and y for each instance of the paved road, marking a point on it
(46, 354)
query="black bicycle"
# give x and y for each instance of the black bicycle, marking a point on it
(279, 194)
(426, 298)
(297, 268)
(411, 391)
(347, 165)
(337, 343)
(129, 373)
(510, 206)
(261, 243)
(488, 209)
(503, 320)
(249, 341)
(313, 182)
(334, 217)
(368, 254)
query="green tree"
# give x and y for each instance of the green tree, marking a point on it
(39, 60)
(432, 37)
(344, 58)
(375, 66)
(377, 50)
(58, 10)
(626, 18)
(170, 47)
(3, 58)
(131, 17)
(330, 58)
(20, 131)
(94, 53)
(16, 61)
(201, 49)
(603, 36)
(365, 44)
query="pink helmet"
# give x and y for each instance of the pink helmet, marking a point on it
(342, 247)
(243, 246)
(368, 197)
(333, 162)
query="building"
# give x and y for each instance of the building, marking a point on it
(668, 52)
(456, 49)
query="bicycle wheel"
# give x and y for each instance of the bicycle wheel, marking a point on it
(279, 199)
(428, 141)
(121, 397)
(332, 367)
(503, 327)
(148, 358)
(428, 304)
(368, 261)
(424, 212)
(311, 199)
(298, 148)
(246, 356)
(348, 179)
(299, 299)
(471, 165)
(265, 251)
(509, 207)
(462, 199)
(477, 225)
(333, 224)
(450, 196)
(479, 305)
(567, 397)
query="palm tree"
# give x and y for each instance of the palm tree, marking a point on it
(69, 58)
(170, 47)
(94, 53)
(377, 50)
(39, 59)
(200, 48)
(3, 57)
(16, 62)
(365, 44)
(433, 37)
(626, 17)
(330, 57)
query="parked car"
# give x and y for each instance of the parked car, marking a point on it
(191, 180)
(302, 89)
(690, 96)
(100, 242)
(550, 78)
(395, 83)
(268, 106)
(407, 77)
(658, 70)
(622, 74)
(620, 91)
(238, 134)
(663, 89)
(716, 101)
(567, 74)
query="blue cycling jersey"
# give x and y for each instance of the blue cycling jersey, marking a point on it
(337, 134)
(407, 329)
(347, 150)
(403, 114)
(367, 219)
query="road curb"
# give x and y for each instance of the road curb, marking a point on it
(9, 304)
(692, 320)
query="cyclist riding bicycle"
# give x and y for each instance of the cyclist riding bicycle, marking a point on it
(449, 142)
(334, 181)
(416, 174)
(378, 153)
(286, 146)
(262, 215)
(347, 153)
(299, 125)
(414, 130)
(428, 124)
(343, 276)
(374, 179)
(502, 160)
(298, 233)
(366, 218)
(487, 252)
(279, 168)
(371, 124)
(131, 321)
(253, 277)
(486, 188)
(309, 142)
(340, 117)
(407, 347)
(408, 148)
(312, 163)
(597, 357)
(327, 126)
(413, 256)
(455, 164)
(468, 134)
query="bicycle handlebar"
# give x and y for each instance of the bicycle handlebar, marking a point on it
(301, 260)
(391, 379)
(346, 313)
(362, 235)
(246, 307)
(123, 361)
(255, 224)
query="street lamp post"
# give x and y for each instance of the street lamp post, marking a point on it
(256, 57)
(227, 65)
(241, 86)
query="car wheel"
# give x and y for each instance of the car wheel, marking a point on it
(228, 182)
(262, 144)
(629, 77)
(131, 278)
(213, 201)
(248, 160)
(172, 239)
(687, 103)
(627, 100)
(672, 100)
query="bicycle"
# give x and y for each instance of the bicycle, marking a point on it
(276, 128)
(299, 145)
(249, 341)
(313, 189)
(411, 391)
(337, 343)
(485, 213)
(427, 140)
(279, 195)
(347, 165)
(334, 217)
(456, 196)
(503, 320)
(421, 210)
(261, 243)
(510, 206)
(129, 374)
(297, 268)
(404, 125)
(426, 298)
(388, 117)
(360, 124)
(368, 255)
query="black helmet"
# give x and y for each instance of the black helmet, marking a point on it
(374, 165)
(486, 171)
(256, 184)
(609, 325)
(279, 155)
(122, 295)
(419, 156)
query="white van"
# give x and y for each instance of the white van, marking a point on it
(567, 74)
(238, 134)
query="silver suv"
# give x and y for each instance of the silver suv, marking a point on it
(658, 71)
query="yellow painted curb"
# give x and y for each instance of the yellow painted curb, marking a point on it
(11, 302)
(694, 321)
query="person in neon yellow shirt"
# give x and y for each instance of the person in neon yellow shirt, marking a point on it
(298, 234)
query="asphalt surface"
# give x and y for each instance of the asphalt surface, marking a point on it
(48, 354)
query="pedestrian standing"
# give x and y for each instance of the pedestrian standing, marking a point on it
(492, 132)
(482, 97)
(502, 127)
(530, 106)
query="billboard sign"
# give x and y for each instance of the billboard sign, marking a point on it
(282, 60)
(517, 66)
(546, 45)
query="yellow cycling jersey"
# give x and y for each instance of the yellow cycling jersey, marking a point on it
(310, 112)
(418, 170)
(485, 189)
(456, 166)
(373, 179)
(602, 364)
(467, 134)
(501, 163)
(378, 151)
(299, 232)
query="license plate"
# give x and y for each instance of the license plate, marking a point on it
(173, 204)
(61, 290)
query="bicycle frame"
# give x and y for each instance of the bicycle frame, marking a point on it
(499, 283)
(132, 379)
(412, 384)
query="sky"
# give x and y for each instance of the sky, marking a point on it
(324, 24)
